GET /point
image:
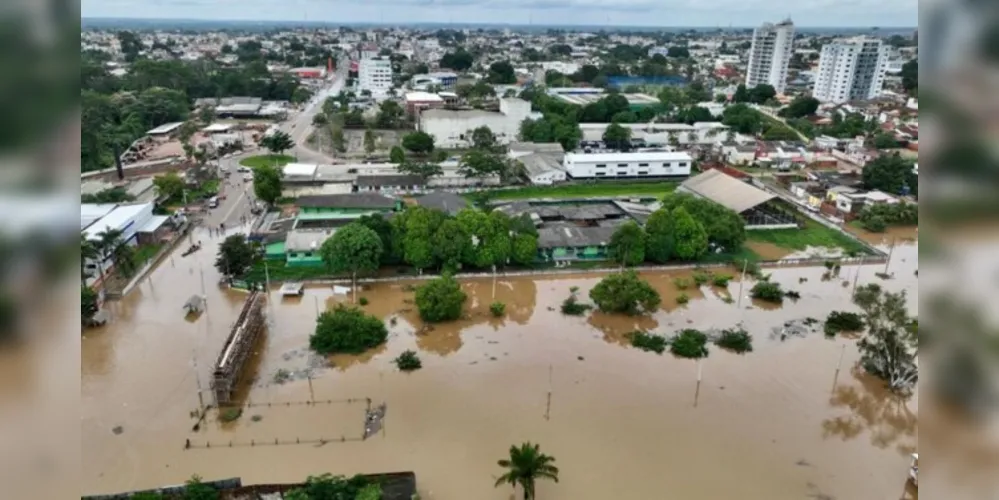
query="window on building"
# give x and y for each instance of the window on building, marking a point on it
(622, 172)
(622, 164)
(643, 164)
(643, 172)
(601, 165)
(601, 174)
(683, 164)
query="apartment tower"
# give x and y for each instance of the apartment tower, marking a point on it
(851, 70)
(770, 54)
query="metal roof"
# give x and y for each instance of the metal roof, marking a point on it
(352, 200)
(726, 191)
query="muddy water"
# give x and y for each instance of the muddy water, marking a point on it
(778, 423)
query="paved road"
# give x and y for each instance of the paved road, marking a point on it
(300, 125)
(235, 208)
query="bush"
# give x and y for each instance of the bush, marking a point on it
(440, 299)
(792, 294)
(875, 224)
(682, 299)
(347, 330)
(721, 280)
(230, 414)
(363, 301)
(572, 307)
(691, 344)
(625, 293)
(839, 321)
(408, 361)
(753, 269)
(497, 308)
(736, 340)
(648, 342)
(767, 291)
(682, 283)
(701, 277)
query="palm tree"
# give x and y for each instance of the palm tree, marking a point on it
(109, 241)
(89, 251)
(526, 464)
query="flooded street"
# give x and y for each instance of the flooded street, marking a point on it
(776, 423)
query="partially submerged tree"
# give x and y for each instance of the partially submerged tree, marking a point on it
(354, 248)
(235, 256)
(626, 293)
(889, 348)
(347, 330)
(440, 299)
(627, 244)
(267, 183)
(525, 466)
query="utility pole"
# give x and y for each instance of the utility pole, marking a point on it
(197, 380)
(742, 281)
(891, 250)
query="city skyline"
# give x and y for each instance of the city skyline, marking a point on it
(623, 13)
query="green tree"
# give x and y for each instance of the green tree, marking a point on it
(440, 299)
(660, 241)
(483, 138)
(626, 293)
(425, 170)
(800, 107)
(890, 346)
(353, 249)
(338, 139)
(319, 120)
(235, 256)
(502, 73)
(195, 489)
(690, 236)
(206, 114)
(910, 77)
(479, 163)
(88, 304)
(278, 142)
(418, 142)
(762, 93)
(369, 141)
(452, 245)
(490, 235)
(383, 228)
(725, 228)
(524, 249)
(397, 155)
(169, 185)
(267, 183)
(347, 330)
(627, 244)
(889, 173)
(420, 225)
(525, 466)
(90, 252)
(617, 136)
(390, 115)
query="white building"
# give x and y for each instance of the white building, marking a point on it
(375, 75)
(622, 165)
(773, 45)
(851, 70)
(542, 161)
(453, 128)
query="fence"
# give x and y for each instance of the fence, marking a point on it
(151, 264)
(170, 491)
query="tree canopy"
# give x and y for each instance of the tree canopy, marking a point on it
(440, 299)
(891, 174)
(418, 142)
(347, 330)
(267, 183)
(626, 293)
(354, 248)
(235, 256)
(627, 244)
(725, 228)
(525, 466)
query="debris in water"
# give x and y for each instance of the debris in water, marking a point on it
(580, 358)
(803, 463)
(794, 328)
(256, 418)
(492, 358)
(117, 430)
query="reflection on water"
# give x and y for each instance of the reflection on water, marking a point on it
(484, 386)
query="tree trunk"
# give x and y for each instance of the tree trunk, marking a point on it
(354, 285)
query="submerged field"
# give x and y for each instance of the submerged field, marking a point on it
(780, 421)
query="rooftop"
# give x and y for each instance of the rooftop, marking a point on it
(444, 201)
(726, 191)
(423, 97)
(115, 219)
(166, 128)
(389, 180)
(352, 200)
(300, 170)
(639, 156)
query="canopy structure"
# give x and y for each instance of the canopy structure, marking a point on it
(195, 304)
(726, 191)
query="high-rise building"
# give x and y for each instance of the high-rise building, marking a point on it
(773, 45)
(375, 75)
(851, 70)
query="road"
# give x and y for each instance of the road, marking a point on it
(300, 126)
(234, 210)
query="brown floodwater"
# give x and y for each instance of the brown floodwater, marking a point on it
(778, 423)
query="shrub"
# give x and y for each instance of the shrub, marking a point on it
(572, 307)
(753, 269)
(625, 293)
(682, 299)
(830, 264)
(875, 224)
(497, 308)
(767, 291)
(347, 330)
(721, 280)
(682, 283)
(230, 414)
(363, 301)
(690, 344)
(792, 294)
(440, 299)
(648, 342)
(839, 321)
(735, 340)
(408, 361)
(701, 277)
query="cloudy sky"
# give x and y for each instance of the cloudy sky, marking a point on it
(721, 13)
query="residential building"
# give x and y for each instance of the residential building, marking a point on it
(627, 165)
(418, 101)
(375, 75)
(851, 70)
(443, 79)
(444, 201)
(773, 45)
(452, 128)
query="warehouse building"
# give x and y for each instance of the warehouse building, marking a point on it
(757, 207)
(453, 128)
(638, 165)
(542, 161)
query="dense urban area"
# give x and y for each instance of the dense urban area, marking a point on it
(369, 263)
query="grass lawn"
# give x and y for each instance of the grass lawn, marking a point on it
(812, 235)
(144, 253)
(278, 271)
(646, 189)
(268, 160)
